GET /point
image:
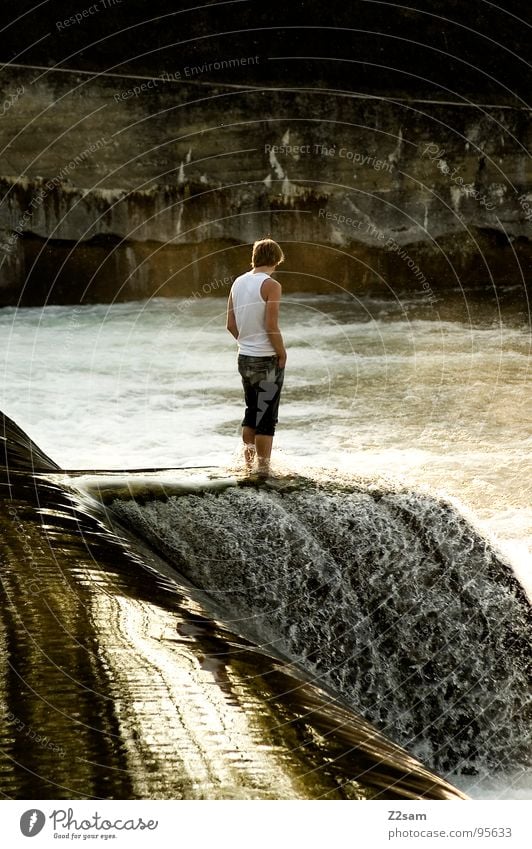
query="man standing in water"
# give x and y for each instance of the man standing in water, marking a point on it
(253, 319)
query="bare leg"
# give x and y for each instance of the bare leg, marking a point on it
(248, 436)
(263, 445)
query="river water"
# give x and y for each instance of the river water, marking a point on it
(437, 398)
(372, 388)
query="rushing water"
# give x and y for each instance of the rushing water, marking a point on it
(374, 389)
(385, 596)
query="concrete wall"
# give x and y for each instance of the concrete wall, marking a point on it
(108, 193)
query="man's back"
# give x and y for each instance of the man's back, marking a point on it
(250, 310)
(253, 320)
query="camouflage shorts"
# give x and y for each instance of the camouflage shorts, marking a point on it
(262, 380)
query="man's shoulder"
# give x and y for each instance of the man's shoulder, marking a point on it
(270, 285)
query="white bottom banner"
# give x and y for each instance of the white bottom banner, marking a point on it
(257, 824)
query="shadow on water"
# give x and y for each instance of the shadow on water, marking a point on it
(117, 682)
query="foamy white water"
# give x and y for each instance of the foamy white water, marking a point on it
(372, 389)
(369, 390)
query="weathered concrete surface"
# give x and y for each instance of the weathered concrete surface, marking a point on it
(364, 193)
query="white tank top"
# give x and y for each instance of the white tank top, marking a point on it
(250, 311)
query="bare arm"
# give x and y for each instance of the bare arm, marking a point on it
(271, 292)
(231, 320)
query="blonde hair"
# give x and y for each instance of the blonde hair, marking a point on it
(266, 252)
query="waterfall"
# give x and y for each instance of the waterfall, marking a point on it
(391, 598)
